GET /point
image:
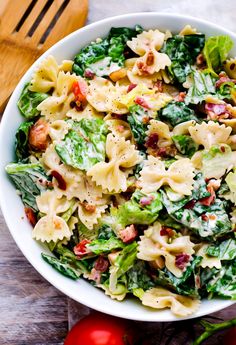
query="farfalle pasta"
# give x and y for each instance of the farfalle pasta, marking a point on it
(126, 165)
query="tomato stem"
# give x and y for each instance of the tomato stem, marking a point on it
(210, 329)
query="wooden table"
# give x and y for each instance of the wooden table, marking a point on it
(32, 312)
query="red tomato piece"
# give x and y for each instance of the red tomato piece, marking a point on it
(100, 329)
(31, 216)
(209, 199)
(80, 249)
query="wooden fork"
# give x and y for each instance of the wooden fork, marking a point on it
(27, 29)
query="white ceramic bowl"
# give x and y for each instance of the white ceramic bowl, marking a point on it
(12, 206)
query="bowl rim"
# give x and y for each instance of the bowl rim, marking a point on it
(3, 123)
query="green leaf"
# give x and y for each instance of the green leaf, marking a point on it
(125, 260)
(132, 211)
(225, 250)
(105, 232)
(30, 179)
(63, 268)
(183, 50)
(108, 53)
(216, 50)
(136, 121)
(203, 84)
(84, 145)
(21, 145)
(185, 144)
(101, 246)
(29, 101)
(177, 112)
(224, 282)
(139, 277)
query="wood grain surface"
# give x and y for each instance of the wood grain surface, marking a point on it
(32, 312)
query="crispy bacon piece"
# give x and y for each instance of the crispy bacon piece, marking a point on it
(223, 78)
(152, 141)
(89, 74)
(38, 135)
(190, 204)
(158, 85)
(181, 260)
(217, 109)
(146, 200)
(128, 234)
(101, 264)
(81, 250)
(60, 180)
(31, 216)
(209, 200)
(131, 87)
(141, 101)
(165, 231)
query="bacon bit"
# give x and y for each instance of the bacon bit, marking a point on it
(95, 275)
(146, 200)
(162, 152)
(101, 264)
(31, 216)
(217, 109)
(158, 85)
(38, 135)
(165, 231)
(146, 120)
(142, 102)
(89, 74)
(181, 260)
(212, 217)
(222, 149)
(232, 66)
(209, 200)
(197, 282)
(120, 128)
(89, 208)
(223, 78)
(181, 97)
(131, 87)
(150, 58)
(117, 116)
(81, 250)
(200, 61)
(152, 141)
(128, 234)
(190, 204)
(79, 91)
(204, 217)
(215, 184)
(60, 180)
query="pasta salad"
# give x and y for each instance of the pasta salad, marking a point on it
(125, 164)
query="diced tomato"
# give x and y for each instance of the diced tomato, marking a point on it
(141, 101)
(101, 264)
(204, 217)
(128, 234)
(131, 87)
(60, 180)
(31, 216)
(209, 200)
(79, 90)
(80, 249)
(165, 231)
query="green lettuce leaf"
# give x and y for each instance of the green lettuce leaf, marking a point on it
(30, 179)
(183, 50)
(223, 284)
(101, 246)
(105, 232)
(29, 101)
(136, 121)
(185, 144)
(177, 112)
(84, 145)
(64, 268)
(105, 55)
(21, 145)
(225, 250)
(216, 50)
(139, 277)
(132, 212)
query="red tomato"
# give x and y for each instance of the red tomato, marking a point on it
(100, 329)
(230, 337)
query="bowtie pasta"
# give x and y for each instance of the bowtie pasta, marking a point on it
(126, 166)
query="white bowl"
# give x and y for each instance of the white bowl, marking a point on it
(12, 206)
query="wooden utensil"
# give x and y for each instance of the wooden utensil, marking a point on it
(27, 29)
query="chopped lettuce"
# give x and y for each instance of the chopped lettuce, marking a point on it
(101, 246)
(225, 250)
(183, 50)
(105, 232)
(84, 145)
(133, 212)
(231, 183)
(30, 179)
(105, 55)
(223, 282)
(29, 101)
(202, 84)
(217, 160)
(216, 50)
(177, 112)
(136, 117)
(185, 144)
(21, 145)
(185, 285)
(139, 277)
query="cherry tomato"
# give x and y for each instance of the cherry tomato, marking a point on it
(100, 329)
(230, 337)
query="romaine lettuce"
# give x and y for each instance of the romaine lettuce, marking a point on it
(101, 246)
(177, 112)
(225, 250)
(84, 145)
(139, 277)
(21, 145)
(185, 144)
(136, 117)
(62, 267)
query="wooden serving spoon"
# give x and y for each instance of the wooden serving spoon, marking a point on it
(27, 29)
